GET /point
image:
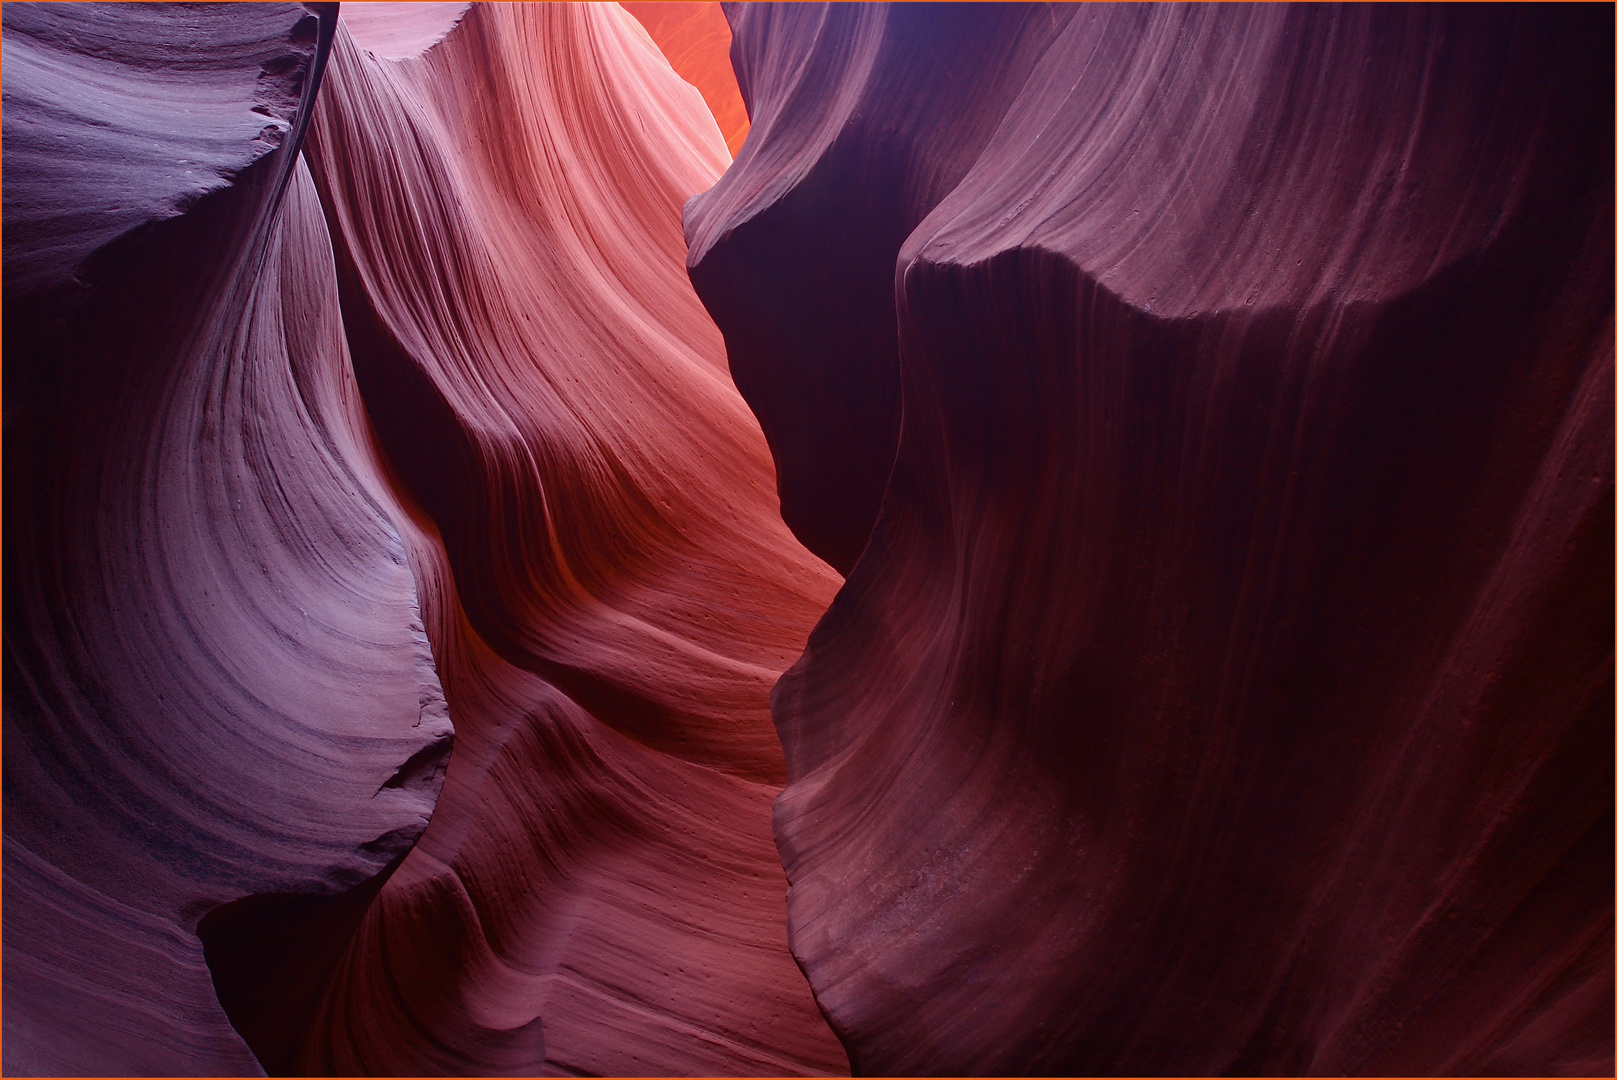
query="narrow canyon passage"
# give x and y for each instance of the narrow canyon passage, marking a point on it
(607, 584)
(467, 332)
(798, 539)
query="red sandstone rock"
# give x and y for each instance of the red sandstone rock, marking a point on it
(398, 31)
(226, 556)
(1226, 684)
(609, 588)
(696, 40)
(1212, 407)
(847, 155)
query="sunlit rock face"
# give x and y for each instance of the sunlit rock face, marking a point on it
(607, 582)
(1211, 408)
(695, 39)
(427, 649)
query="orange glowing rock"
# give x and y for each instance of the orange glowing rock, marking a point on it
(696, 40)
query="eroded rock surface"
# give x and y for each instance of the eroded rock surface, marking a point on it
(1222, 682)
(301, 445)
(695, 39)
(609, 588)
(1210, 406)
(217, 678)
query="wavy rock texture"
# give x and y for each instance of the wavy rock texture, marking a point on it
(1211, 408)
(863, 116)
(298, 451)
(695, 39)
(609, 588)
(1222, 681)
(399, 31)
(216, 678)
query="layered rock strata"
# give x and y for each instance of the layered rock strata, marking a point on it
(695, 39)
(608, 585)
(302, 445)
(1211, 408)
(217, 682)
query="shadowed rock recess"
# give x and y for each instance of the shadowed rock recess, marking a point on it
(432, 467)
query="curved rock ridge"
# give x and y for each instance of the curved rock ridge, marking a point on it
(398, 31)
(1210, 407)
(119, 116)
(695, 38)
(217, 682)
(306, 453)
(607, 583)
(1224, 685)
(864, 116)
(117, 120)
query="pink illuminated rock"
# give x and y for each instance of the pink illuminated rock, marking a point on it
(608, 586)
(1210, 408)
(696, 41)
(399, 31)
(275, 492)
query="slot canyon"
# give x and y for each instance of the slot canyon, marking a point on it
(679, 539)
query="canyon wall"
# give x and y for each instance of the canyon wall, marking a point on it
(427, 647)
(310, 454)
(608, 585)
(217, 681)
(695, 39)
(1211, 410)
